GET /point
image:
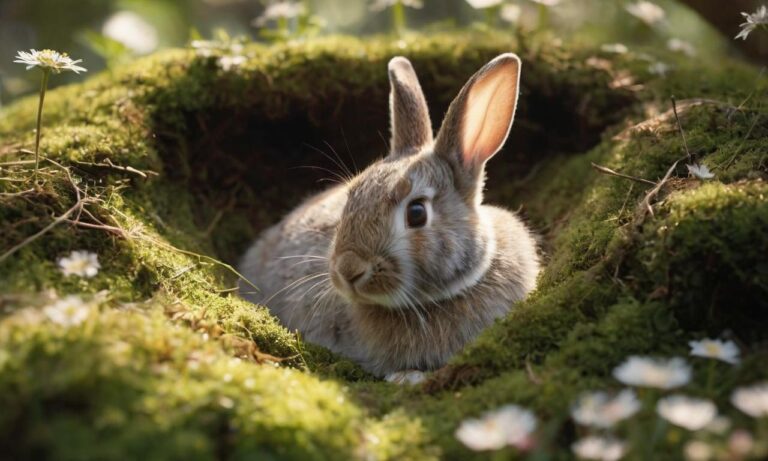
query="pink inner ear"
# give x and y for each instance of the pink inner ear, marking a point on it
(490, 108)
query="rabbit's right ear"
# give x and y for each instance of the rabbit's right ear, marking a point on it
(478, 121)
(409, 116)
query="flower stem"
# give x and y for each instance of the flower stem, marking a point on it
(658, 432)
(398, 17)
(43, 87)
(491, 15)
(282, 28)
(711, 379)
(543, 17)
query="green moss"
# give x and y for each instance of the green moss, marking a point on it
(173, 365)
(125, 383)
(707, 258)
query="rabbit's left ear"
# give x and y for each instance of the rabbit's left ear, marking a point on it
(479, 119)
(409, 116)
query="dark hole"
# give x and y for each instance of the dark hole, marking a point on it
(247, 170)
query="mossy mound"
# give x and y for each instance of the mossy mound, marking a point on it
(170, 165)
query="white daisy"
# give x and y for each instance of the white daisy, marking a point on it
(648, 12)
(599, 448)
(482, 4)
(752, 400)
(207, 48)
(719, 425)
(509, 425)
(227, 63)
(700, 171)
(49, 60)
(510, 13)
(381, 5)
(741, 443)
(599, 409)
(279, 10)
(68, 312)
(131, 30)
(651, 372)
(618, 48)
(727, 351)
(675, 44)
(659, 68)
(80, 263)
(757, 19)
(688, 412)
(698, 450)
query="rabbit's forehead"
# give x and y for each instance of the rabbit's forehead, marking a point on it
(390, 184)
(380, 189)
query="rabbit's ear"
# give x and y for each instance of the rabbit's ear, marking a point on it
(479, 119)
(411, 127)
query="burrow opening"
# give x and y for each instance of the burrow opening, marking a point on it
(246, 169)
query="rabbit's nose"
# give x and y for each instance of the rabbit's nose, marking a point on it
(351, 268)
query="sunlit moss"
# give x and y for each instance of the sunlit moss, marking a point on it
(175, 365)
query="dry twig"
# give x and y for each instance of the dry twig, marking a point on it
(682, 133)
(611, 172)
(645, 205)
(43, 231)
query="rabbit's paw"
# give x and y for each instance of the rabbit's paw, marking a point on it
(409, 377)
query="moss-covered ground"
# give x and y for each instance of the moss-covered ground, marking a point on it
(167, 168)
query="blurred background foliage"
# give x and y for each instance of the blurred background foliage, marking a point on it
(107, 33)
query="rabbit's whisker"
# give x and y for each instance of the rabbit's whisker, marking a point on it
(340, 179)
(346, 173)
(299, 281)
(344, 165)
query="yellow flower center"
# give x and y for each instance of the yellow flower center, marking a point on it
(712, 349)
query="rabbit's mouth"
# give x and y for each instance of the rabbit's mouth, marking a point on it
(370, 281)
(380, 290)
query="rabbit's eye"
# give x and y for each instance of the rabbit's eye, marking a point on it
(416, 215)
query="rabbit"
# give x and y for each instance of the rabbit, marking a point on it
(402, 265)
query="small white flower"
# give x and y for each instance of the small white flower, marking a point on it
(618, 48)
(80, 263)
(547, 2)
(648, 12)
(68, 312)
(49, 60)
(659, 68)
(719, 425)
(381, 5)
(675, 44)
(510, 13)
(688, 412)
(599, 448)
(650, 372)
(279, 10)
(410, 377)
(752, 400)
(741, 443)
(482, 4)
(697, 450)
(207, 48)
(700, 171)
(509, 425)
(227, 63)
(204, 48)
(131, 30)
(599, 409)
(727, 351)
(757, 19)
